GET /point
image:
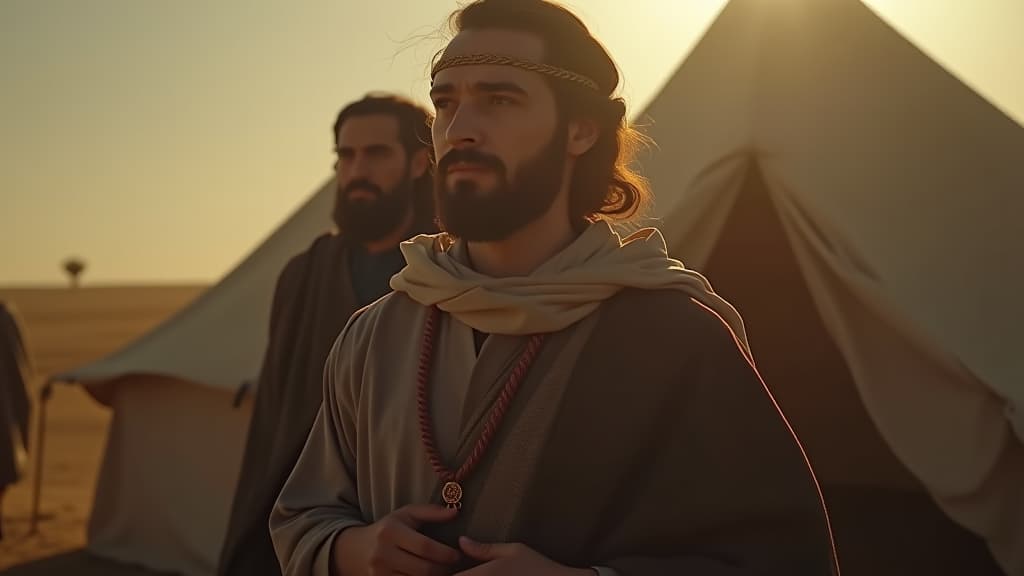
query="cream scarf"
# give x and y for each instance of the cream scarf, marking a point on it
(559, 293)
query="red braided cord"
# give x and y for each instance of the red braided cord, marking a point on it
(498, 411)
(422, 399)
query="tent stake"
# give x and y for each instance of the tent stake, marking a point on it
(37, 484)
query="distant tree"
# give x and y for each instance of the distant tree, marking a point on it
(74, 267)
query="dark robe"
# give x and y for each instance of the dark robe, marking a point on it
(316, 294)
(668, 456)
(14, 400)
(642, 440)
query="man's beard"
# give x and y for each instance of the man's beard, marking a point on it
(477, 215)
(369, 220)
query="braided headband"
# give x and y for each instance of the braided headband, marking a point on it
(554, 71)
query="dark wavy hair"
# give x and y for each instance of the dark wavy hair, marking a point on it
(414, 134)
(603, 183)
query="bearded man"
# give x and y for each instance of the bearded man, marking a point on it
(383, 197)
(539, 395)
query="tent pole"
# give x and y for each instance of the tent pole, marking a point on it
(37, 484)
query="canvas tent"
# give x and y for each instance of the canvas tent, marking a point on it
(859, 205)
(176, 438)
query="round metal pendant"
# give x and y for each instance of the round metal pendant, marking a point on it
(451, 493)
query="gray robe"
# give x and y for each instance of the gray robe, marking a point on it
(14, 399)
(641, 439)
(314, 297)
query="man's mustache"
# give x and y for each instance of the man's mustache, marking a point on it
(362, 184)
(469, 156)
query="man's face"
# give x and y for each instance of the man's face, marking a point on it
(374, 181)
(499, 144)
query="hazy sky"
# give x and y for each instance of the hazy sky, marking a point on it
(161, 140)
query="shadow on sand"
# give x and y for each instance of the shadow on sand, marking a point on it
(79, 563)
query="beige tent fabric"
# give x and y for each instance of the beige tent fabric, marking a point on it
(946, 425)
(710, 198)
(957, 428)
(213, 341)
(175, 443)
(898, 187)
(918, 172)
(173, 454)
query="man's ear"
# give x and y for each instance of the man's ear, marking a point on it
(583, 135)
(420, 163)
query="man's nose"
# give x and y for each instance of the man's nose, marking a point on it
(464, 130)
(360, 167)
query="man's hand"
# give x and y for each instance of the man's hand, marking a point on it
(513, 560)
(392, 545)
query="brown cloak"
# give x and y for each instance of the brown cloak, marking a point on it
(662, 453)
(14, 400)
(312, 301)
(669, 456)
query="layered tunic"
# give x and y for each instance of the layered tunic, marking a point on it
(316, 293)
(641, 439)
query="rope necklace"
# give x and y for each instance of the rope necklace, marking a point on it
(451, 492)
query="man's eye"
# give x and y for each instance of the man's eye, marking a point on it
(501, 100)
(442, 103)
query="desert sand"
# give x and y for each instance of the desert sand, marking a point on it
(65, 328)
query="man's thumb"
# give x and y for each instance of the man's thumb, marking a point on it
(416, 514)
(483, 551)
